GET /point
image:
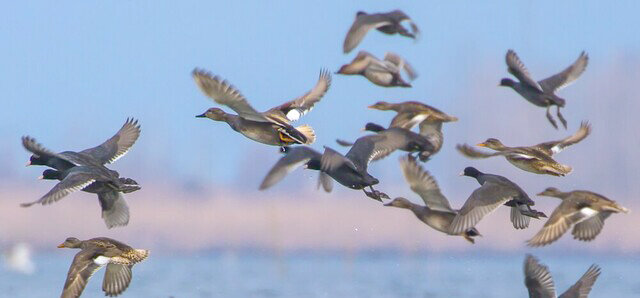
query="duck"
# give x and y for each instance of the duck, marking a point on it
(414, 138)
(586, 211)
(412, 113)
(384, 73)
(94, 254)
(437, 212)
(539, 282)
(388, 23)
(271, 127)
(543, 93)
(535, 159)
(350, 169)
(106, 153)
(494, 191)
(115, 211)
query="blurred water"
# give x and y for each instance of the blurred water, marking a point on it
(332, 275)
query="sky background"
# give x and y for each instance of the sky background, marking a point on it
(71, 73)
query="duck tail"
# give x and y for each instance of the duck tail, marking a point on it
(308, 132)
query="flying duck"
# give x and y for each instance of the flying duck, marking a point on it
(271, 127)
(584, 210)
(539, 282)
(385, 73)
(388, 23)
(437, 212)
(494, 191)
(535, 159)
(542, 93)
(94, 254)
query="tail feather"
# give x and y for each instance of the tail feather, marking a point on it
(308, 132)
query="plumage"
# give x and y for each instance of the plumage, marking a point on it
(585, 211)
(388, 23)
(271, 127)
(535, 159)
(95, 253)
(542, 93)
(384, 73)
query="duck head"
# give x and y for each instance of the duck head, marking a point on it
(492, 143)
(471, 172)
(551, 192)
(71, 242)
(399, 202)
(213, 114)
(36, 160)
(382, 106)
(506, 82)
(51, 175)
(360, 13)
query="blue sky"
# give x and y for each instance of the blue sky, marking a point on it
(72, 72)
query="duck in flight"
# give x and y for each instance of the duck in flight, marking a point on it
(535, 159)
(384, 73)
(271, 127)
(388, 23)
(583, 210)
(539, 282)
(94, 254)
(437, 212)
(542, 93)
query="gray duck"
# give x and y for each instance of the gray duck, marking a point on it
(388, 23)
(384, 73)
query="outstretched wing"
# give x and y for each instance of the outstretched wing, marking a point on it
(562, 218)
(293, 110)
(226, 94)
(75, 181)
(37, 149)
(471, 152)
(118, 145)
(362, 24)
(583, 286)
(567, 76)
(538, 279)
(482, 201)
(554, 147)
(117, 278)
(82, 268)
(294, 158)
(424, 185)
(115, 211)
(517, 69)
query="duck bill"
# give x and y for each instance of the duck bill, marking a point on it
(40, 177)
(61, 245)
(28, 163)
(201, 115)
(481, 145)
(461, 173)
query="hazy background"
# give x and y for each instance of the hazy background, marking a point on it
(72, 72)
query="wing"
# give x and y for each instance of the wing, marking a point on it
(538, 279)
(517, 69)
(300, 106)
(118, 145)
(294, 158)
(471, 152)
(36, 148)
(519, 220)
(554, 147)
(588, 229)
(567, 76)
(75, 181)
(325, 181)
(332, 160)
(115, 211)
(562, 218)
(344, 143)
(374, 147)
(226, 94)
(117, 278)
(424, 185)
(401, 64)
(482, 201)
(82, 268)
(360, 27)
(583, 286)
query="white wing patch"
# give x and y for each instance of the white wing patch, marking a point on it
(101, 260)
(294, 114)
(588, 212)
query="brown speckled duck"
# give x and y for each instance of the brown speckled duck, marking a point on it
(271, 127)
(384, 73)
(535, 159)
(94, 254)
(584, 210)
